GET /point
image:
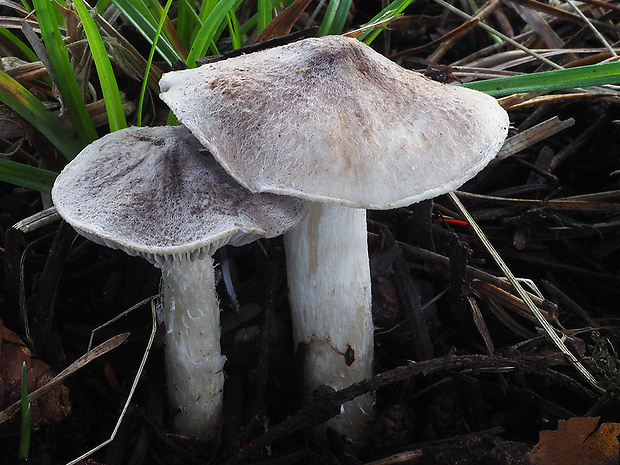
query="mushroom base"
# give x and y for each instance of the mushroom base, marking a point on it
(194, 361)
(330, 296)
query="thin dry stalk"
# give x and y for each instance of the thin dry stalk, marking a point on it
(551, 332)
(85, 359)
(531, 136)
(499, 34)
(147, 350)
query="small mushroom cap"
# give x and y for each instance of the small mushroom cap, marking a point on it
(332, 120)
(157, 193)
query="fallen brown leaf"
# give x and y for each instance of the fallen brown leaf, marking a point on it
(578, 441)
(49, 408)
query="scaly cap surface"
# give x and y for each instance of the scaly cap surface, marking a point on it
(157, 193)
(332, 120)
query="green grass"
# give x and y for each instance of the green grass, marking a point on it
(335, 17)
(192, 34)
(109, 87)
(150, 61)
(24, 103)
(26, 176)
(24, 438)
(62, 71)
(144, 20)
(547, 81)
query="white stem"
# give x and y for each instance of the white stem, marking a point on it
(193, 357)
(330, 296)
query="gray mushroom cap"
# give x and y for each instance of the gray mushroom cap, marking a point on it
(332, 120)
(157, 193)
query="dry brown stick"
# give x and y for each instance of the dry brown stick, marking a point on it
(507, 320)
(118, 317)
(513, 301)
(85, 359)
(574, 147)
(532, 135)
(444, 262)
(557, 98)
(566, 204)
(457, 32)
(608, 4)
(326, 402)
(569, 303)
(132, 390)
(284, 22)
(481, 14)
(410, 299)
(481, 324)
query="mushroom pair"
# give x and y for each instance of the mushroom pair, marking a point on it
(333, 122)
(157, 193)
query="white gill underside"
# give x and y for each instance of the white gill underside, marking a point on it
(194, 361)
(330, 296)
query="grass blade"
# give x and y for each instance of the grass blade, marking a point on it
(19, 45)
(233, 28)
(24, 439)
(335, 17)
(26, 176)
(20, 100)
(206, 7)
(264, 14)
(167, 27)
(253, 20)
(63, 72)
(109, 87)
(187, 20)
(150, 60)
(546, 81)
(102, 5)
(207, 32)
(391, 11)
(142, 19)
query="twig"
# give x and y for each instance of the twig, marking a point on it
(122, 315)
(551, 332)
(85, 359)
(38, 220)
(444, 262)
(565, 204)
(533, 135)
(591, 26)
(326, 402)
(499, 34)
(131, 391)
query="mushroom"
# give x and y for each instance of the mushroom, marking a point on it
(332, 121)
(155, 193)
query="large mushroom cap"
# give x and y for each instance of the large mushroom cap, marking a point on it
(157, 193)
(332, 120)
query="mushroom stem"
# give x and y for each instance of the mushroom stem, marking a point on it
(194, 361)
(330, 297)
